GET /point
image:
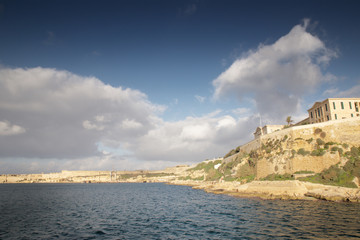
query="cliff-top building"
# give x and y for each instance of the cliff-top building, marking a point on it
(334, 109)
(267, 129)
(327, 110)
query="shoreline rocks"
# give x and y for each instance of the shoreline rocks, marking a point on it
(285, 190)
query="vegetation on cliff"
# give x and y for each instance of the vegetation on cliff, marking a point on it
(241, 166)
(340, 175)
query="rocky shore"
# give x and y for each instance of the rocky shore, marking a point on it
(286, 190)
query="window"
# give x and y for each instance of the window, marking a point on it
(326, 107)
(352, 115)
(328, 117)
(342, 105)
(335, 116)
(311, 115)
(350, 105)
(334, 105)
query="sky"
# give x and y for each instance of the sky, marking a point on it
(126, 85)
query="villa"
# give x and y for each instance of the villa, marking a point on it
(327, 110)
(334, 109)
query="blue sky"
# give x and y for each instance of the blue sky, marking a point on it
(177, 63)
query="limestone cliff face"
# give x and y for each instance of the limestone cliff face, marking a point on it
(308, 148)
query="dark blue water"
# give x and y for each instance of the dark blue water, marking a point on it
(159, 211)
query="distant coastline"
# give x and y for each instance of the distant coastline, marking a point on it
(285, 190)
(314, 161)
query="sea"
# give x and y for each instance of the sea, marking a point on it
(160, 211)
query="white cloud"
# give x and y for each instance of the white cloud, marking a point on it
(351, 92)
(92, 126)
(278, 75)
(100, 118)
(226, 122)
(200, 98)
(241, 111)
(131, 124)
(196, 132)
(194, 139)
(74, 122)
(65, 115)
(7, 129)
(330, 92)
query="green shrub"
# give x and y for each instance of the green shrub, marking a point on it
(334, 149)
(319, 141)
(309, 140)
(323, 135)
(213, 174)
(229, 178)
(318, 152)
(251, 162)
(353, 164)
(333, 176)
(268, 149)
(304, 172)
(232, 152)
(248, 178)
(354, 152)
(185, 178)
(318, 130)
(345, 145)
(284, 138)
(278, 177)
(326, 146)
(205, 166)
(340, 150)
(302, 152)
(245, 171)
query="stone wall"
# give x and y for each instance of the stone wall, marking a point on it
(340, 131)
(288, 165)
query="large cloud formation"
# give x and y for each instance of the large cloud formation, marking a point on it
(62, 115)
(277, 75)
(52, 120)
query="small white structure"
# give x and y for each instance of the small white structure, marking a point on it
(267, 129)
(217, 166)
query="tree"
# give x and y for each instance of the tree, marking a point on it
(289, 120)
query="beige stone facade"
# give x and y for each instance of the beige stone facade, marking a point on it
(334, 109)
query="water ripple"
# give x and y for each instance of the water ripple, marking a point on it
(158, 211)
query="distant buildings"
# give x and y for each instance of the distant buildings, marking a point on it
(327, 110)
(334, 109)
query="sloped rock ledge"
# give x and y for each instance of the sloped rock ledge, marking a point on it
(286, 190)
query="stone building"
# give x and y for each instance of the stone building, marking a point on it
(267, 129)
(334, 109)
